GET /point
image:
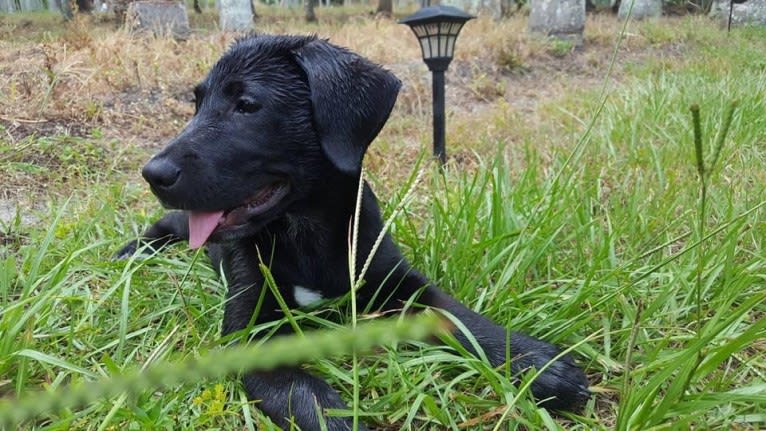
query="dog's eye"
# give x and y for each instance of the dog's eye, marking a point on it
(247, 107)
(197, 101)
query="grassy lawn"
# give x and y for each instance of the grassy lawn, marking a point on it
(571, 210)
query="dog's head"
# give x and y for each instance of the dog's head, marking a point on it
(271, 117)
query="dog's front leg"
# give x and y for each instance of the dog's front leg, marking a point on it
(562, 385)
(172, 227)
(288, 395)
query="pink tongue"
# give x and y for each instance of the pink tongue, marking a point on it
(201, 225)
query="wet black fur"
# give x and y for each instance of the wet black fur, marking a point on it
(302, 110)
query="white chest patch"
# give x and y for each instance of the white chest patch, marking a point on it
(305, 296)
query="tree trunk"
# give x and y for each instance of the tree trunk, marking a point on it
(65, 6)
(385, 8)
(308, 6)
(85, 6)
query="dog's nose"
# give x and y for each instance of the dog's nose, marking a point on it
(161, 173)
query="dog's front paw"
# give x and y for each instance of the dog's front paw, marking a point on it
(126, 251)
(562, 385)
(136, 247)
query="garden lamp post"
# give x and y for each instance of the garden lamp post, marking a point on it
(436, 28)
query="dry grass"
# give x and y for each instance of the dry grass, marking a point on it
(86, 75)
(104, 68)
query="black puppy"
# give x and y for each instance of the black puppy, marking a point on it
(270, 163)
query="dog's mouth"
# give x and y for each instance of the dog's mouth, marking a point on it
(203, 224)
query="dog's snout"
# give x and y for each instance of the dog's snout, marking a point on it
(161, 173)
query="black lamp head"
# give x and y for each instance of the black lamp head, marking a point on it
(437, 28)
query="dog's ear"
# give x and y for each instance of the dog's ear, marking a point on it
(351, 99)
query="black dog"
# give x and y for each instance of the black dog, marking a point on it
(270, 163)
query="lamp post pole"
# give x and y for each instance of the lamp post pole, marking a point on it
(440, 150)
(438, 66)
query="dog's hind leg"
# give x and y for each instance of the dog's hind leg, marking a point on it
(171, 228)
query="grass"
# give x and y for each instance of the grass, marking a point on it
(598, 247)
